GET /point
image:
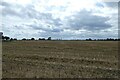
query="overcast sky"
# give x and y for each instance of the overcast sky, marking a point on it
(66, 19)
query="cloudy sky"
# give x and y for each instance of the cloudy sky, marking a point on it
(66, 19)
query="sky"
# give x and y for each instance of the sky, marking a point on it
(59, 19)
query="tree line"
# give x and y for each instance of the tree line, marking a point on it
(49, 38)
(108, 39)
(6, 38)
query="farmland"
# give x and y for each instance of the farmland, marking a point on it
(60, 59)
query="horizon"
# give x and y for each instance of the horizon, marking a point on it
(56, 38)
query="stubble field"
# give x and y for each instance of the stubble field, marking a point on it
(60, 59)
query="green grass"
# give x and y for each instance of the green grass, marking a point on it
(60, 59)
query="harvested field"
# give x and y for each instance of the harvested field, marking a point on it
(60, 59)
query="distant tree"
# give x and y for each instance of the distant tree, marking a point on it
(115, 39)
(11, 39)
(39, 39)
(94, 39)
(24, 39)
(49, 38)
(1, 34)
(89, 39)
(3, 37)
(15, 39)
(32, 38)
(0, 37)
(6, 38)
(118, 39)
(110, 39)
(107, 39)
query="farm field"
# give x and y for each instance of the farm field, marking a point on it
(60, 59)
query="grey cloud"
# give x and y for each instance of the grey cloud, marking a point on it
(119, 11)
(99, 5)
(19, 27)
(108, 4)
(5, 4)
(48, 18)
(36, 27)
(56, 22)
(112, 4)
(44, 16)
(85, 19)
(39, 27)
(17, 10)
(29, 12)
(57, 30)
(9, 11)
(45, 28)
